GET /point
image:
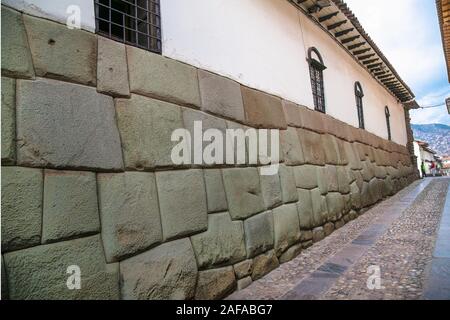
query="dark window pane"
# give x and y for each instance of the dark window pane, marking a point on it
(135, 22)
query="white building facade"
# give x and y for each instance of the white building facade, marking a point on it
(264, 44)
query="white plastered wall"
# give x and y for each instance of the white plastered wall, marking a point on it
(261, 44)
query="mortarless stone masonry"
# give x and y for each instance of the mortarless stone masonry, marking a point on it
(88, 180)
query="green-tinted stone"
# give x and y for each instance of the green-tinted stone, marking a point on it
(259, 234)
(22, 190)
(8, 120)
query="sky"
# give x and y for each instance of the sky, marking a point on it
(408, 33)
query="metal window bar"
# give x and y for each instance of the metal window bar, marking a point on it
(388, 124)
(359, 106)
(133, 22)
(317, 88)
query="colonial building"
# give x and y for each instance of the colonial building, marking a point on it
(425, 155)
(89, 189)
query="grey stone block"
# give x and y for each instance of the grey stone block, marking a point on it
(331, 149)
(129, 213)
(291, 253)
(48, 266)
(263, 264)
(182, 201)
(327, 179)
(221, 96)
(352, 156)
(292, 149)
(16, 55)
(112, 68)
(271, 190)
(259, 233)
(305, 209)
(8, 120)
(335, 205)
(70, 205)
(62, 125)
(344, 176)
(244, 283)
(223, 242)
(243, 190)
(211, 149)
(288, 187)
(318, 234)
(243, 268)
(355, 196)
(286, 227)
(215, 284)
(22, 190)
(319, 205)
(312, 147)
(146, 126)
(292, 114)
(162, 77)
(61, 53)
(328, 228)
(306, 176)
(167, 272)
(215, 191)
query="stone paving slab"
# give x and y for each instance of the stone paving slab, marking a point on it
(323, 267)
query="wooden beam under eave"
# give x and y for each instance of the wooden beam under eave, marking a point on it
(356, 45)
(358, 52)
(328, 16)
(350, 39)
(343, 32)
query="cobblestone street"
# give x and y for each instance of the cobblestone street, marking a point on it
(403, 237)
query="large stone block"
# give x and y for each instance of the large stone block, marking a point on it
(312, 120)
(312, 147)
(22, 190)
(61, 53)
(259, 234)
(328, 179)
(306, 176)
(243, 189)
(345, 178)
(182, 201)
(221, 96)
(352, 156)
(16, 55)
(331, 149)
(375, 189)
(288, 187)
(263, 110)
(42, 272)
(291, 253)
(222, 243)
(292, 150)
(167, 272)
(156, 76)
(215, 191)
(305, 209)
(8, 120)
(335, 205)
(208, 122)
(243, 268)
(355, 196)
(62, 125)
(112, 70)
(70, 205)
(271, 190)
(215, 284)
(146, 126)
(129, 213)
(292, 114)
(319, 206)
(318, 234)
(286, 227)
(244, 283)
(263, 264)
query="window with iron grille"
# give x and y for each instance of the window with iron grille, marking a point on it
(316, 68)
(388, 122)
(359, 94)
(134, 22)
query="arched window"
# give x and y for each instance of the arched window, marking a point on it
(359, 94)
(316, 68)
(388, 122)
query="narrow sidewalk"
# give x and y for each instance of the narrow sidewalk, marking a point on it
(396, 237)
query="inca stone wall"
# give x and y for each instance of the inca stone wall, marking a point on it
(87, 177)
